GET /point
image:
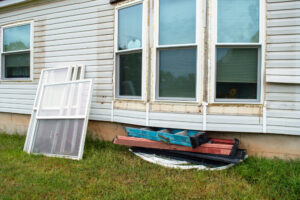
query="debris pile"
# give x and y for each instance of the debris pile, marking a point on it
(183, 149)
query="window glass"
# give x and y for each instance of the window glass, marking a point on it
(177, 73)
(237, 73)
(17, 65)
(177, 21)
(16, 38)
(130, 66)
(130, 27)
(238, 21)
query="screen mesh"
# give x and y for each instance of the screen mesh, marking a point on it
(65, 100)
(61, 137)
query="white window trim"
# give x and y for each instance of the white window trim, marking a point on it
(261, 65)
(116, 90)
(2, 78)
(199, 63)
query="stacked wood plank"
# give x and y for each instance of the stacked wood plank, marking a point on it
(214, 146)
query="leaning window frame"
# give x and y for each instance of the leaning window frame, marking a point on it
(30, 50)
(118, 52)
(199, 52)
(261, 57)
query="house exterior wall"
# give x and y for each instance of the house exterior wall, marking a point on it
(82, 32)
(257, 144)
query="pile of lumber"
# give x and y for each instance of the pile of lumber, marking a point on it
(207, 150)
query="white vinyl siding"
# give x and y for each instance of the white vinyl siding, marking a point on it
(65, 33)
(82, 32)
(283, 42)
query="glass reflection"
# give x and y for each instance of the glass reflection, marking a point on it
(130, 27)
(17, 65)
(238, 21)
(16, 38)
(177, 21)
(177, 73)
(130, 74)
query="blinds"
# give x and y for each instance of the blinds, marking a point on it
(237, 65)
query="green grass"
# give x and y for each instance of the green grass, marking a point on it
(111, 172)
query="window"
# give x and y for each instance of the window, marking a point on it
(16, 51)
(129, 51)
(176, 50)
(238, 50)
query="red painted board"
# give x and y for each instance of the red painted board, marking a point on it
(222, 141)
(222, 149)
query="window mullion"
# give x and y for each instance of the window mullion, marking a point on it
(176, 46)
(129, 51)
(16, 52)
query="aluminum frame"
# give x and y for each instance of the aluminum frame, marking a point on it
(80, 117)
(198, 44)
(261, 65)
(142, 49)
(72, 73)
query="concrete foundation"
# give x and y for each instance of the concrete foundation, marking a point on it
(259, 144)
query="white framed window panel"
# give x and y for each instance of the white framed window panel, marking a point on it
(51, 75)
(197, 44)
(142, 49)
(14, 52)
(261, 56)
(61, 119)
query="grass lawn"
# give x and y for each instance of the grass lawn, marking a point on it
(108, 171)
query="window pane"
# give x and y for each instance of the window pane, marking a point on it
(237, 70)
(17, 65)
(177, 73)
(130, 27)
(177, 21)
(238, 21)
(130, 74)
(16, 38)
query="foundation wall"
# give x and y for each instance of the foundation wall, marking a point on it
(256, 144)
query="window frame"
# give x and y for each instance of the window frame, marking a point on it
(118, 52)
(30, 50)
(199, 52)
(260, 45)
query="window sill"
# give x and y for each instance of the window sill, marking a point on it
(245, 103)
(17, 81)
(130, 104)
(176, 102)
